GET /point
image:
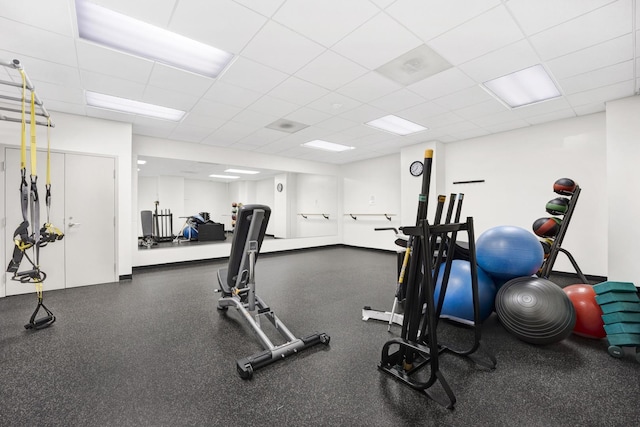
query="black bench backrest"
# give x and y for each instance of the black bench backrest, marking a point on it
(242, 235)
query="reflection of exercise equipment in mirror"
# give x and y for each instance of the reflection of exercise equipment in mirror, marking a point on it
(156, 227)
(200, 227)
(237, 284)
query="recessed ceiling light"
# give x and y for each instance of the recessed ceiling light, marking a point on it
(142, 162)
(248, 172)
(121, 32)
(123, 105)
(224, 176)
(396, 125)
(327, 146)
(523, 87)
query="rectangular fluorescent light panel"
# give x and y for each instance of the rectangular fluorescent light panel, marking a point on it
(224, 176)
(244, 171)
(524, 87)
(327, 146)
(124, 33)
(142, 162)
(397, 125)
(123, 105)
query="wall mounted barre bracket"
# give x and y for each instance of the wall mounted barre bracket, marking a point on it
(306, 215)
(355, 216)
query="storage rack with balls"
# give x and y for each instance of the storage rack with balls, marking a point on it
(553, 229)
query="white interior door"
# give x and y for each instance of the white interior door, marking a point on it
(90, 254)
(51, 256)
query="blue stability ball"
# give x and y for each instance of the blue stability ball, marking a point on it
(190, 233)
(507, 252)
(458, 298)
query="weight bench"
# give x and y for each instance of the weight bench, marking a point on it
(237, 284)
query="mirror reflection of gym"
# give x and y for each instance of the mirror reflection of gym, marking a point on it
(184, 198)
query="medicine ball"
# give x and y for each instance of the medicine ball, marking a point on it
(564, 186)
(558, 206)
(547, 227)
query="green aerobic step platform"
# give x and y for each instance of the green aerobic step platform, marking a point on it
(620, 317)
(604, 287)
(622, 328)
(624, 339)
(612, 307)
(608, 297)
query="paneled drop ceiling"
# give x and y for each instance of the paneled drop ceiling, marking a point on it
(316, 63)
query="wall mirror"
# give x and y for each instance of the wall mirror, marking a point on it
(303, 205)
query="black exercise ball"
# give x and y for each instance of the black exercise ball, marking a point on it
(547, 227)
(558, 206)
(535, 310)
(564, 186)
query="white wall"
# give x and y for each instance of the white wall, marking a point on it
(316, 195)
(623, 153)
(520, 167)
(208, 196)
(86, 135)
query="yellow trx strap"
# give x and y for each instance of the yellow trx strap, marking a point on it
(23, 139)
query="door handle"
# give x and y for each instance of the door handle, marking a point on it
(74, 224)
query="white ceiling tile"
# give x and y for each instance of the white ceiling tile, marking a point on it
(150, 127)
(398, 100)
(46, 71)
(327, 21)
(110, 115)
(263, 7)
(514, 57)
(382, 3)
(201, 121)
(103, 83)
(308, 116)
(64, 107)
(281, 48)
(503, 127)
(215, 109)
(168, 98)
(273, 106)
(49, 91)
(490, 31)
(602, 77)
(255, 119)
(468, 134)
(223, 24)
(364, 113)
(442, 120)
(486, 108)
(464, 98)
(99, 59)
(441, 84)
(456, 127)
(542, 14)
(422, 111)
(606, 23)
(583, 110)
(376, 42)
(336, 124)
(331, 71)
(549, 117)
(252, 75)
(51, 15)
(229, 133)
(231, 95)
(601, 55)
(262, 137)
(369, 87)
(171, 78)
(603, 94)
(189, 133)
(26, 40)
(429, 19)
(358, 131)
(298, 91)
(540, 108)
(155, 12)
(496, 118)
(334, 103)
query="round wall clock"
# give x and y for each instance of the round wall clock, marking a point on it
(416, 168)
(279, 187)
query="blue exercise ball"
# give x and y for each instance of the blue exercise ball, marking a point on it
(507, 252)
(190, 233)
(458, 298)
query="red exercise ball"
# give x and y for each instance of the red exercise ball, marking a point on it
(589, 322)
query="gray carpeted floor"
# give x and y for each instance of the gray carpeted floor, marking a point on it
(155, 351)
